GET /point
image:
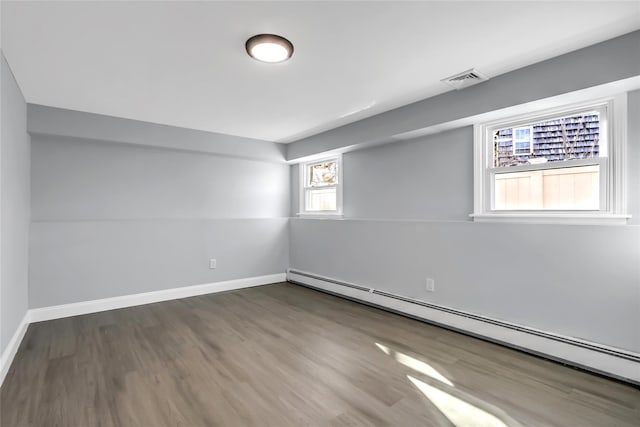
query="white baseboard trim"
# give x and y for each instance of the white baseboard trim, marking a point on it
(12, 348)
(85, 307)
(94, 306)
(623, 365)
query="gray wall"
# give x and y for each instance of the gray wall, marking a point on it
(406, 207)
(75, 179)
(295, 194)
(113, 219)
(633, 158)
(14, 216)
(70, 123)
(407, 180)
(73, 261)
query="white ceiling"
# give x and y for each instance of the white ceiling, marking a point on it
(184, 64)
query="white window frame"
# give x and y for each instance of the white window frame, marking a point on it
(304, 190)
(514, 140)
(612, 161)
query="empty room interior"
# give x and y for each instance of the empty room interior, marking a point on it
(367, 213)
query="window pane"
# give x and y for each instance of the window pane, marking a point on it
(322, 199)
(575, 188)
(522, 134)
(565, 138)
(322, 174)
(523, 147)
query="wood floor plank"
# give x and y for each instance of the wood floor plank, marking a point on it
(284, 355)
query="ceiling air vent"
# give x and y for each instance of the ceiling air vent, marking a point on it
(465, 79)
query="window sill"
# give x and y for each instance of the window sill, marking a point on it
(553, 218)
(319, 215)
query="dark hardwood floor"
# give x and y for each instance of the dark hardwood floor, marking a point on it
(284, 355)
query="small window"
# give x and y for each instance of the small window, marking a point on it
(321, 187)
(556, 163)
(522, 140)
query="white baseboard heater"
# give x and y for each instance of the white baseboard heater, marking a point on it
(610, 361)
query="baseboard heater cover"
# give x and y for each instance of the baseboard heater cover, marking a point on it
(605, 360)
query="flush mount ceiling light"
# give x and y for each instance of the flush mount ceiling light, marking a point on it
(269, 48)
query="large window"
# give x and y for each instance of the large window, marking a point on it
(321, 187)
(561, 164)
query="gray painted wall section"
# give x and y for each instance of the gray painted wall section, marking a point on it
(69, 123)
(76, 179)
(633, 158)
(295, 189)
(577, 281)
(14, 218)
(116, 219)
(407, 207)
(76, 261)
(399, 182)
(605, 62)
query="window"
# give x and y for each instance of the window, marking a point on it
(558, 165)
(321, 187)
(522, 140)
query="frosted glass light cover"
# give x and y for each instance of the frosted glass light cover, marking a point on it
(269, 48)
(269, 52)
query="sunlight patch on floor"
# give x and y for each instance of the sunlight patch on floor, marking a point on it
(462, 409)
(459, 412)
(415, 364)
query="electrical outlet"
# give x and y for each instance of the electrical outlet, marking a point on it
(213, 264)
(431, 285)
